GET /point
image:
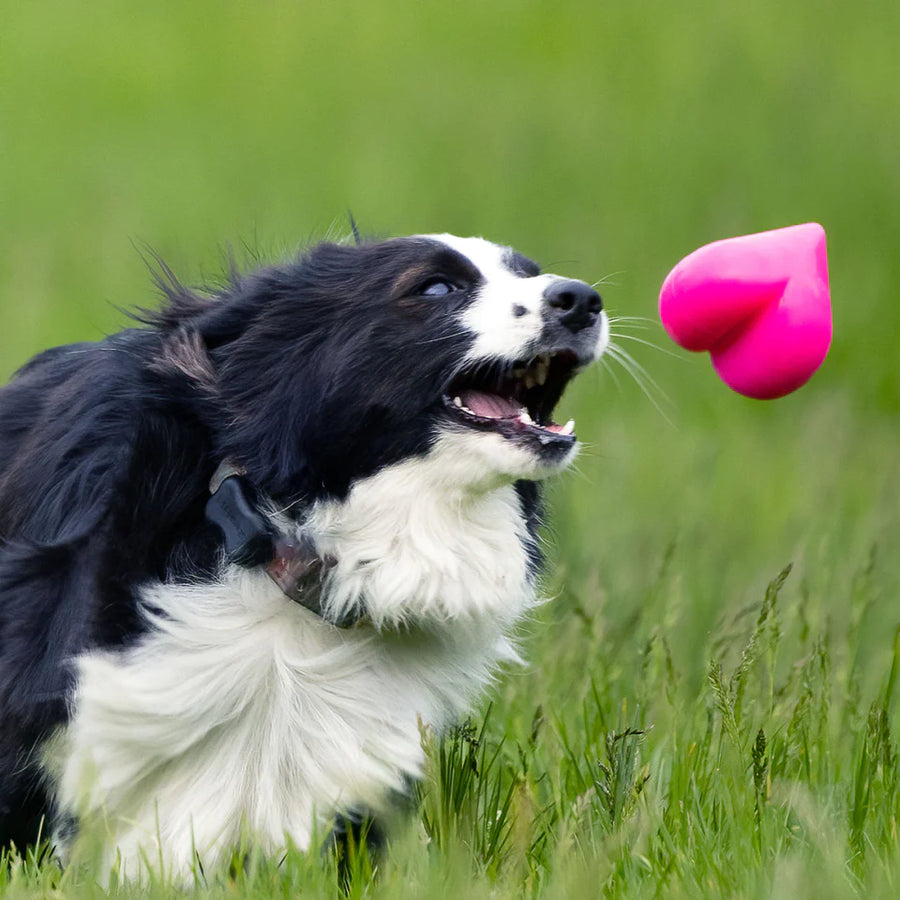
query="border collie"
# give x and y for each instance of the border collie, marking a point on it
(252, 544)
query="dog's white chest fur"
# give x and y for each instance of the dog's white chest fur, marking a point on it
(242, 710)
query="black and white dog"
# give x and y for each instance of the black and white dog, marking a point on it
(248, 547)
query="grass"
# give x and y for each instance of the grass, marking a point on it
(778, 777)
(694, 720)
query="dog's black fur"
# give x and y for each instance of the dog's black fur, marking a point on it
(107, 449)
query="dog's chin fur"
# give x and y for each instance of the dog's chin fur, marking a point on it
(173, 702)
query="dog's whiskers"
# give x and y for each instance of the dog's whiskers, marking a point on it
(642, 378)
(634, 322)
(645, 319)
(607, 279)
(631, 337)
(612, 373)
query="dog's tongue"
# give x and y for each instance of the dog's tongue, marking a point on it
(491, 406)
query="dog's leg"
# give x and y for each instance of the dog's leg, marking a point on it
(24, 809)
(356, 840)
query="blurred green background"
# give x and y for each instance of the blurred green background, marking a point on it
(606, 140)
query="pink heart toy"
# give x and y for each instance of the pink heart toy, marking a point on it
(759, 304)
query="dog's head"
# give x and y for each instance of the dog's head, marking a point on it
(357, 357)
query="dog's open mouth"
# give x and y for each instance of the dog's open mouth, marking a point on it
(517, 400)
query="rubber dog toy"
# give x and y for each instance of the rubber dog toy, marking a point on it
(759, 304)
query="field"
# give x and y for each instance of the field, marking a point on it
(710, 702)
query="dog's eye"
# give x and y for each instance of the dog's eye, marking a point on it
(437, 287)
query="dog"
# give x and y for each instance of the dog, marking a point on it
(253, 544)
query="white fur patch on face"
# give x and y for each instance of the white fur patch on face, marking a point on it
(507, 316)
(492, 317)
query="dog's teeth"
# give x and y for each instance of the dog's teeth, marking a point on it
(541, 372)
(524, 417)
(568, 428)
(530, 380)
(457, 401)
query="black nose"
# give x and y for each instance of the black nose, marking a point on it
(574, 304)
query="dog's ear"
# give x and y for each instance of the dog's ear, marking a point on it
(183, 352)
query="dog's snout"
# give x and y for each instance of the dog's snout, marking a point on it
(573, 304)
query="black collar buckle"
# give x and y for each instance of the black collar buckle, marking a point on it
(250, 540)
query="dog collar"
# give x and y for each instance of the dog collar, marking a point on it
(251, 540)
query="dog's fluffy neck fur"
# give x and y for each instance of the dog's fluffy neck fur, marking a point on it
(263, 716)
(418, 545)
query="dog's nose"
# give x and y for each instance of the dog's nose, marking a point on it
(574, 304)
